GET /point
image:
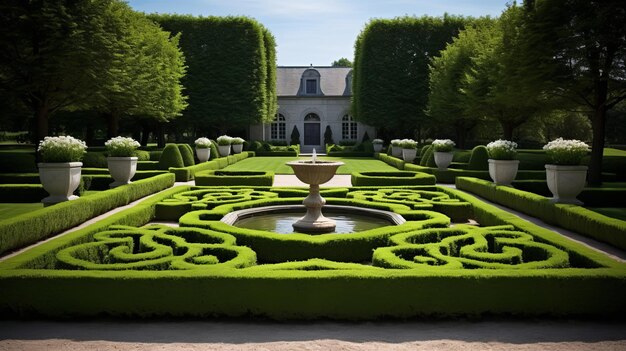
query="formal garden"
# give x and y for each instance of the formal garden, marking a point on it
(429, 229)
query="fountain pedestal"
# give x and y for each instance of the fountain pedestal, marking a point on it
(314, 173)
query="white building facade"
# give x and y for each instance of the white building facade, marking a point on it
(313, 99)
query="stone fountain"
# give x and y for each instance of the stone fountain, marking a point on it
(314, 173)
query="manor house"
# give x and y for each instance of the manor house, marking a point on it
(311, 99)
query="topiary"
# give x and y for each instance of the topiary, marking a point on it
(427, 156)
(214, 152)
(328, 136)
(187, 153)
(295, 136)
(95, 160)
(171, 157)
(478, 159)
(366, 137)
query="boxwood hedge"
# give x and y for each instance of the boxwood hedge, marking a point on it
(392, 178)
(127, 266)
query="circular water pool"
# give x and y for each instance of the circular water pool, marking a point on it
(280, 219)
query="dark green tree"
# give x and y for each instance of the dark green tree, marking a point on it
(53, 54)
(578, 48)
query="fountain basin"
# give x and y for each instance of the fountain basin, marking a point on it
(318, 172)
(280, 219)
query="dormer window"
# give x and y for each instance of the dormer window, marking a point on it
(310, 83)
(311, 86)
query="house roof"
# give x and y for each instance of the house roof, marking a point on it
(333, 80)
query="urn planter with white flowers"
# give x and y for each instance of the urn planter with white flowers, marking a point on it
(203, 149)
(378, 147)
(396, 148)
(121, 162)
(565, 176)
(223, 145)
(237, 145)
(502, 164)
(443, 152)
(409, 151)
(61, 170)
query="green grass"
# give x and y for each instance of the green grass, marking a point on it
(613, 212)
(277, 164)
(10, 210)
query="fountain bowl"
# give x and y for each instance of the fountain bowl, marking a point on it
(318, 172)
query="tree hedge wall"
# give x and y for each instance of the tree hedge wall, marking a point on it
(231, 74)
(390, 81)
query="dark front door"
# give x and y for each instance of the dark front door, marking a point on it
(312, 134)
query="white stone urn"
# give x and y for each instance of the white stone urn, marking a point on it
(122, 170)
(378, 147)
(443, 159)
(59, 179)
(566, 182)
(203, 154)
(314, 173)
(408, 155)
(396, 151)
(237, 148)
(503, 172)
(224, 150)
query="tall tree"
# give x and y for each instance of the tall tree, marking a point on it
(390, 81)
(497, 85)
(147, 68)
(53, 54)
(579, 48)
(446, 101)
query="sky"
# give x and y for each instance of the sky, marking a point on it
(318, 32)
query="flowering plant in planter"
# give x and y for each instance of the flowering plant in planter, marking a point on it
(203, 143)
(396, 142)
(377, 141)
(408, 144)
(121, 146)
(502, 150)
(566, 152)
(443, 145)
(224, 140)
(237, 141)
(62, 149)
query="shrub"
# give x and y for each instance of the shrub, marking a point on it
(295, 136)
(62, 149)
(226, 178)
(142, 155)
(479, 161)
(186, 153)
(428, 159)
(392, 178)
(328, 136)
(171, 157)
(95, 159)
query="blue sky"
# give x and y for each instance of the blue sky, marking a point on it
(318, 31)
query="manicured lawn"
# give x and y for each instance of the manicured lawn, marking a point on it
(10, 210)
(613, 212)
(277, 164)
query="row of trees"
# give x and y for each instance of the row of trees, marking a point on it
(231, 74)
(87, 55)
(547, 62)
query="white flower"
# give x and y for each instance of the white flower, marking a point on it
(502, 149)
(408, 144)
(237, 141)
(121, 146)
(224, 140)
(566, 152)
(203, 143)
(395, 142)
(443, 145)
(377, 141)
(62, 149)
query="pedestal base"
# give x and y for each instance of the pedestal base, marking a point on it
(321, 225)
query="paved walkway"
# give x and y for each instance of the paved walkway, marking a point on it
(178, 335)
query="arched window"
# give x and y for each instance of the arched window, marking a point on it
(310, 83)
(278, 128)
(348, 128)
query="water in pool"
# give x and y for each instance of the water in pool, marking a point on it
(282, 222)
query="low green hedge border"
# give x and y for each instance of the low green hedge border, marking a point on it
(392, 178)
(22, 193)
(392, 161)
(226, 178)
(29, 228)
(310, 289)
(185, 174)
(575, 218)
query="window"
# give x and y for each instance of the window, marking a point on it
(278, 128)
(348, 128)
(311, 86)
(311, 117)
